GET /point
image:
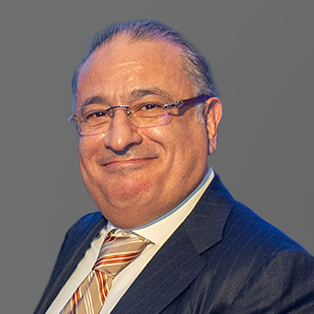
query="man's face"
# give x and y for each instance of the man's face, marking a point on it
(136, 175)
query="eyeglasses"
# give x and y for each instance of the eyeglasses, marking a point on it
(143, 115)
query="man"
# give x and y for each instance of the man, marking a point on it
(143, 157)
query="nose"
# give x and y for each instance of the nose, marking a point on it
(122, 134)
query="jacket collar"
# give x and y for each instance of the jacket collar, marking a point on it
(179, 261)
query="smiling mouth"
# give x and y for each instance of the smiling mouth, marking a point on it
(122, 162)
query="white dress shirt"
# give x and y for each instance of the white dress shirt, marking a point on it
(158, 232)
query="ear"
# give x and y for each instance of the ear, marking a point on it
(213, 113)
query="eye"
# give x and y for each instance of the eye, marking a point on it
(150, 107)
(148, 110)
(96, 116)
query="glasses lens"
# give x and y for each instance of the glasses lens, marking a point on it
(149, 115)
(94, 121)
(88, 129)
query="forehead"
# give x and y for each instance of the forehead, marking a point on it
(120, 67)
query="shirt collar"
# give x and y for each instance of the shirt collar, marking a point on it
(159, 230)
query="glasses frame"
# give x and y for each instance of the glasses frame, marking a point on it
(177, 104)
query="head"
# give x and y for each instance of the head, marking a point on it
(136, 175)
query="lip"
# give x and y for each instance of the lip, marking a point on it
(125, 162)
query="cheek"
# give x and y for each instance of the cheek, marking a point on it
(83, 153)
(87, 151)
(191, 147)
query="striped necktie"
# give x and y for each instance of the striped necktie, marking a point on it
(116, 253)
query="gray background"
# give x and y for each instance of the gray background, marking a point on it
(262, 57)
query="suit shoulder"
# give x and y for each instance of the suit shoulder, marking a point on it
(86, 223)
(254, 263)
(247, 227)
(87, 220)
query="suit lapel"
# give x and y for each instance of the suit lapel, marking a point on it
(179, 261)
(171, 270)
(70, 254)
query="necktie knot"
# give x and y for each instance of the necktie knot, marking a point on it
(117, 251)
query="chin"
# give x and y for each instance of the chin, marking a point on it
(126, 216)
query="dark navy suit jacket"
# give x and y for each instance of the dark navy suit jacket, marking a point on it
(222, 259)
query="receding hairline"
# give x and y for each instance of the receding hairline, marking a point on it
(126, 35)
(129, 40)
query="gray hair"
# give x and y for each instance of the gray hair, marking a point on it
(196, 68)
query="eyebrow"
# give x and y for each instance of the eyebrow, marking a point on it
(95, 100)
(140, 93)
